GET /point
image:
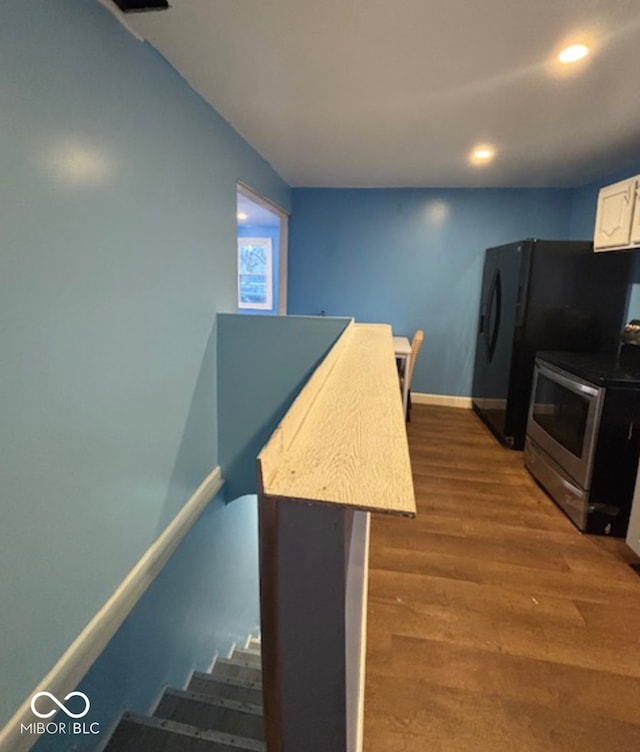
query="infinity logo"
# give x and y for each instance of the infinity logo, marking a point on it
(60, 705)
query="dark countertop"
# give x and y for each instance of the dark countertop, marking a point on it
(600, 369)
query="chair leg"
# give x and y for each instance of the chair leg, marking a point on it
(408, 416)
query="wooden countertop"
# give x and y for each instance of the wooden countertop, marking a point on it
(344, 439)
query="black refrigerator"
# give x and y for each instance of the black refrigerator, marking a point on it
(541, 295)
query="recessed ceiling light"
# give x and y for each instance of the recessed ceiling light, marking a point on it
(482, 154)
(241, 216)
(573, 53)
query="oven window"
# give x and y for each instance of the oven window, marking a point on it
(561, 413)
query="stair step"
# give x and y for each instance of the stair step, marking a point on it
(232, 689)
(208, 713)
(137, 733)
(231, 669)
(247, 658)
(255, 644)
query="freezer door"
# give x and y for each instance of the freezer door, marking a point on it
(503, 286)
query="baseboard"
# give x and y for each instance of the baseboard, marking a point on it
(443, 400)
(82, 653)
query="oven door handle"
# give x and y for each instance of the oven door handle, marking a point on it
(571, 383)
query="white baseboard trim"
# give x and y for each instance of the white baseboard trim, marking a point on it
(442, 400)
(81, 654)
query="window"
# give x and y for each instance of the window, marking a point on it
(255, 273)
(261, 253)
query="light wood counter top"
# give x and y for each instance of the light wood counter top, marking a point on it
(344, 439)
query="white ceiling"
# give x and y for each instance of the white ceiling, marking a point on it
(373, 93)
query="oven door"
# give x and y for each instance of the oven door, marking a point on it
(564, 413)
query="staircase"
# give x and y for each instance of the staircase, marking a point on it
(219, 711)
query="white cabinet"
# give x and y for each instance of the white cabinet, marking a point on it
(635, 224)
(618, 216)
(615, 215)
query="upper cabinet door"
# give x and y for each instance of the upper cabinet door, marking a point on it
(635, 224)
(614, 215)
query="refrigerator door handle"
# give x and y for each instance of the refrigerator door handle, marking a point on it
(487, 317)
(495, 298)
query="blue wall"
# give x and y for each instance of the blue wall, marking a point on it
(263, 364)
(412, 258)
(274, 234)
(205, 599)
(117, 248)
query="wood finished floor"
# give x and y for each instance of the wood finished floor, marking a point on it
(493, 624)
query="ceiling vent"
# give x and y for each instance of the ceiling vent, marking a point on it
(138, 6)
